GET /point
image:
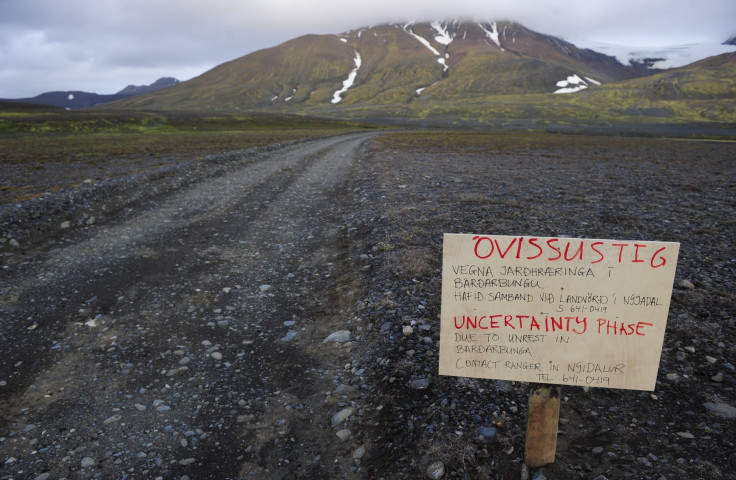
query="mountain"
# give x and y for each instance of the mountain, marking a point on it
(71, 99)
(77, 99)
(160, 84)
(394, 64)
(462, 72)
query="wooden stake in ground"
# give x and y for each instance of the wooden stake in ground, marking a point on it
(541, 426)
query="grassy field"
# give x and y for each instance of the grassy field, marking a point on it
(44, 149)
(468, 141)
(31, 135)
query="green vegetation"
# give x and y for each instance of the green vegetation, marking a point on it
(45, 149)
(517, 142)
(58, 135)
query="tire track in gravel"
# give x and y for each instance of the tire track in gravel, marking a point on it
(187, 340)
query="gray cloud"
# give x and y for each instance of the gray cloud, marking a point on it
(104, 45)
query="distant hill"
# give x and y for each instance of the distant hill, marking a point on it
(78, 99)
(159, 84)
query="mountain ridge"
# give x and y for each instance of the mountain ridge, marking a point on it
(74, 99)
(396, 62)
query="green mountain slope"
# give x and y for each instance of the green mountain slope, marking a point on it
(702, 91)
(486, 71)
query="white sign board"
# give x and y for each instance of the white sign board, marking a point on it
(566, 311)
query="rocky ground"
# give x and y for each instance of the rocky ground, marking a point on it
(275, 314)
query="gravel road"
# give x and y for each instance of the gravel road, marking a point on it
(184, 336)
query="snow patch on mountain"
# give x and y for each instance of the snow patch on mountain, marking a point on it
(420, 90)
(491, 33)
(443, 37)
(442, 62)
(422, 40)
(666, 56)
(348, 82)
(573, 84)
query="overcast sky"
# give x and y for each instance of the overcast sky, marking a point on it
(102, 46)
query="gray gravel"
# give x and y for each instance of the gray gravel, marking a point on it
(606, 187)
(183, 335)
(274, 314)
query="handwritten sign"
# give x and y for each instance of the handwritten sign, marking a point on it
(564, 311)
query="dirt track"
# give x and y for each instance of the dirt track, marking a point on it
(182, 336)
(187, 337)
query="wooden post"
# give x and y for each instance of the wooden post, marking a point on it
(541, 426)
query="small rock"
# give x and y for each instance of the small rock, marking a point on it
(436, 470)
(87, 462)
(524, 472)
(216, 355)
(407, 330)
(341, 336)
(673, 377)
(341, 416)
(343, 434)
(113, 419)
(66, 224)
(711, 360)
(29, 427)
(539, 475)
(488, 433)
(687, 435)
(289, 335)
(718, 377)
(345, 389)
(43, 476)
(686, 284)
(419, 383)
(14, 243)
(265, 288)
(720, 409)
(359, 452)
(139, 407)
(187, 461)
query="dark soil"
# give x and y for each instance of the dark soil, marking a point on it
(585, 187)
(149, 342)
